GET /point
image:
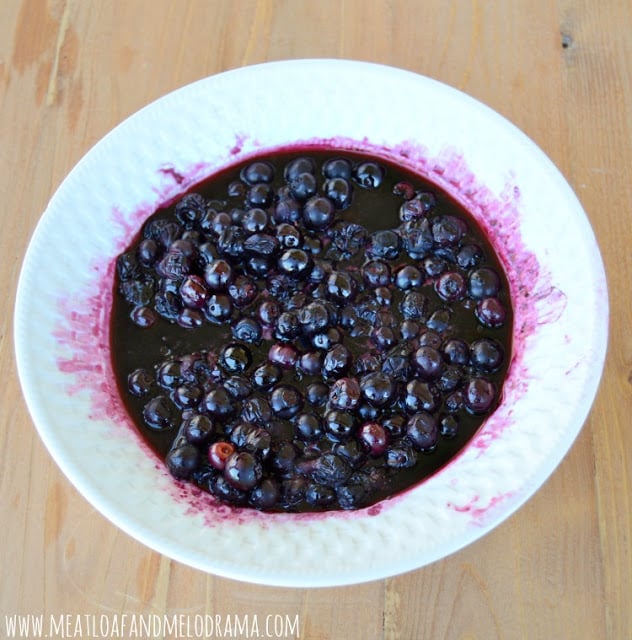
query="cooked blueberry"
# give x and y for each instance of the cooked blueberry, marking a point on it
(143, 317)
(310, 362)
(260, 195)
(330, 470)
(400, 456)
(303, 186)
(266, 494)
(159, 413)
(450, 286)
(186, 396)
(289, 236)
(448, 230)
(139, 382)
(345, 394)
(491, 312)
(416, 238)
(298, 166)
(319, 495)
(266, 375)
(190, 209)
(377, 388)
(486, 354)
(242, 470)
(242, 291)
(286, 400)
(235, 358)
(337, 361)
(369, 175)
(339, 191)
(420, 396)
(479, 395)
(218, 403)
(422, 430)
(337, 168)
(309, 426)
(408, 277)
(483, 282)
(258, 171)
(339, 424)
(287, 326)
(283, 355)
(317, 393)
(182, 460)
(194, 292)
(247, 330)
(374, 438)
(295, 262)
(261, 244)
(449, 426)
(385, 244)
(218, 274)
(198, 428)
(428, 362)
(318, 213)
(341, 286)
(174, 265)
(218, 308)
(269, 312)
(396, 364)
(414, 305)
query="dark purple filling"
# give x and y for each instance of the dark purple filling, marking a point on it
(310, 330)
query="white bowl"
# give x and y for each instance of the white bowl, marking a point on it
(536, 224)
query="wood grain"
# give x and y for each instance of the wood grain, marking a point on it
(561, 70)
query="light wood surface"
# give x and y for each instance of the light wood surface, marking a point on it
(559, 69)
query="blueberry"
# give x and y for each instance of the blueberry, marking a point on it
(341, 286)
(319, 495)
(261, 244)
(258, 171)
(127, 266)
(247, 330)
(148, 252)
(339, 191)
(345, 394)
(339, 424)
(314, 318)
(396, 364)
(190, 318)
(242, 470)
(469, 256)
(140, 382)
(491, 312)
(483, 282)
(198, 429)
(448, 230)
(286, 401)
(369, 175)
(449, 426)
(479, 395)
(450, 286)
(400, 456)
(218, 308)
(265, 495)
(416, 238)
(190, 209)
(422, 430)
(414, 305)
(174, 265)
(289, 236)
(295, 262)
(337, 361)
(288, 209)
(269, 312)
(428, 362)
(317, 393)
(330, 470)
(169, 374)
(486, 355)
(283, 355)
(143, 317)
(374, 438)
(218, 403)
(348, 238)
(186, 396)
(377, 388)
(260, 195)
(194, 292)
(384, 244)
(219, 452)
(318, 213)
(242, 291)
(310, 362)
(408, 277)
(218, 274)
(266, 375)
(182, 461)
(159, 413)
(420, 396)
(257, 410)
(309, 426)
(235, 358)
(299, 166)
(337, 168)
(303, 186)
(249, 437)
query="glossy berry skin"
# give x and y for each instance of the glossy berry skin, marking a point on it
(242, 470)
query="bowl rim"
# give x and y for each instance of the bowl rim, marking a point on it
(482, 517)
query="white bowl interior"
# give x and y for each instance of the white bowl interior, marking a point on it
(537, 225)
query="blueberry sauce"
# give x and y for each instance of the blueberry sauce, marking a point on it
(310, 330)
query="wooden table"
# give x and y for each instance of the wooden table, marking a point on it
(560, 69)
